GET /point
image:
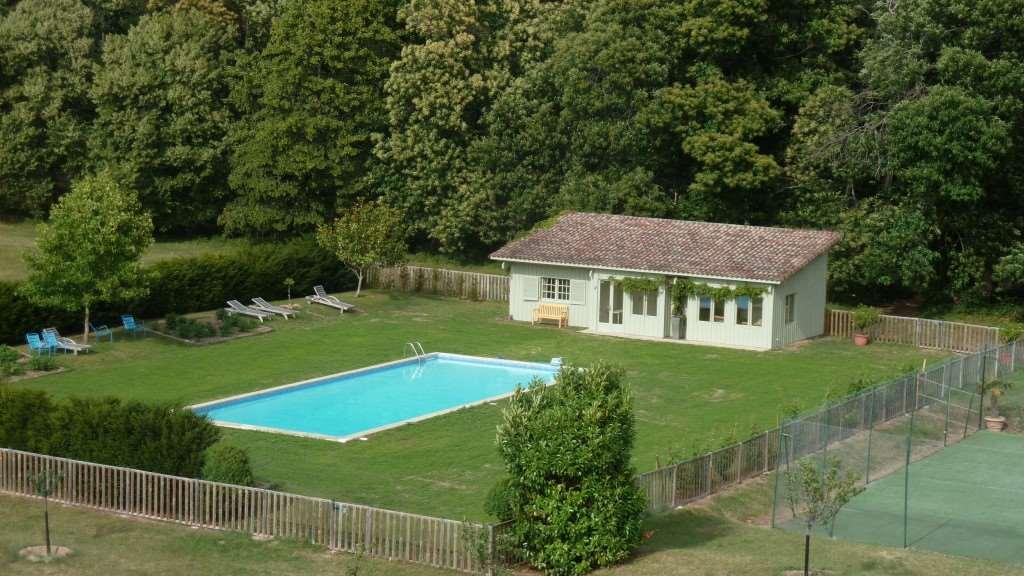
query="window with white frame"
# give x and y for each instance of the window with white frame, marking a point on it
(790, 308)
(705, 309)
(749, 311)
(555, 289)
(645, 302)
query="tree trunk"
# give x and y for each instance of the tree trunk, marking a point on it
(359, 282)
(807, 554)
(46, 524)
(85, 327)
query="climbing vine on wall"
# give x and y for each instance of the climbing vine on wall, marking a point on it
(683, 288)
(637, 285)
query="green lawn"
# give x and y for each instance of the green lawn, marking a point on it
(713, 540)
(16, 238)
(686, 396)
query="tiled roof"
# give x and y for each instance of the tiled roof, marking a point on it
(702, 249)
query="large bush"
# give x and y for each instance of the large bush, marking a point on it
(25, 419)
(569, 493)
(185, 285)
(156, 438)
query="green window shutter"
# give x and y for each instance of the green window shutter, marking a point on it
(578, 292)
(531, 287)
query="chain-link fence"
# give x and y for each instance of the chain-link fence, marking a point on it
(914, 449)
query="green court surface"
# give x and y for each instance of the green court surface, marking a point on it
(966, 499)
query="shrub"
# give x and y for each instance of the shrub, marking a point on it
(230, 324)
(156, 438)
(227, 464)
(570, 494)
(187, 328)
(865, 317)
(9, 365)
(42, 363)
(1011, 332)
(25, 419)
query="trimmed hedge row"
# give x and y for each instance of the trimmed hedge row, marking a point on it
(192, 284)
(156, 438)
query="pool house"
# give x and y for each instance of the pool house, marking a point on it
(702, 282)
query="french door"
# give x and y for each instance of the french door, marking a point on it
(610, 306)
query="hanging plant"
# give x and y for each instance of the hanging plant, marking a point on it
(637, 285)
(683, 288)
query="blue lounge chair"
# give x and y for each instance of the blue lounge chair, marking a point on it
(58, 342)
(101, 331)
(36, 345)
(131, 326)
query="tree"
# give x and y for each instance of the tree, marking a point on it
(89, 250)
(368, 234)
(45, 483)
(161, 98)
(462, 55)
(312, 102)
(46, 53)
(816, 494)
(929, 138)
(569, 493)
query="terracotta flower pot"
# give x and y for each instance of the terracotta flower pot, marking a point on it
(861, 339)
(995, 423)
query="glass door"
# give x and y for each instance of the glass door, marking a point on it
(610, 305)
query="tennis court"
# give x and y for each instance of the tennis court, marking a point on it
(965, 499)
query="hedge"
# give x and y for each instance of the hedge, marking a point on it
(191, 284)
(156, 438)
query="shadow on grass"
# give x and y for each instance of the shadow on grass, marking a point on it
(684, 529)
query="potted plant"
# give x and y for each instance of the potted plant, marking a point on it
(995, 390)
(864, 319)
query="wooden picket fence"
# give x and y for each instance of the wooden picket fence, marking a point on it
(437, 542)
(441, 281)
(702, 476)
(921, 332)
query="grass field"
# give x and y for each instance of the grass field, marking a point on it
(715, 539)
(16, 238)
(685, 396)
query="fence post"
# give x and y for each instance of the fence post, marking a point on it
(871, 427)
(491, 550)
(675, 484)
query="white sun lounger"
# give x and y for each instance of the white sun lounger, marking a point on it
(320, 296)
(55, 340)
(264, 306)
(236, 307)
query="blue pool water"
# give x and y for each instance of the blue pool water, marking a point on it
(351, 404)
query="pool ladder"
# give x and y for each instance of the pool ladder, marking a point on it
(417, 350)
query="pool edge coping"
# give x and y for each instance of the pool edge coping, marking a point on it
(367, 432)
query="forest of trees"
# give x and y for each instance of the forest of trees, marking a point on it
(899, 123)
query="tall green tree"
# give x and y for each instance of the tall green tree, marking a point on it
(90, 249)
(312, 104)
(46, 53)
(932, 136)
(365, 235)
(162, 115)
(461, 55)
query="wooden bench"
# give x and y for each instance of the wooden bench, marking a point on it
(557, 312)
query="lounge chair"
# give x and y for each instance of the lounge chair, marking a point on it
(58, 342)
(320, 296)
(131, 325)
(36, 344)
(101, 331)
(264, 306)
(236, 307)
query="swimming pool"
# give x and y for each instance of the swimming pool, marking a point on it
(359, 402)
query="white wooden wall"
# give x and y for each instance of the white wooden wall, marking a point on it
(809, 285)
